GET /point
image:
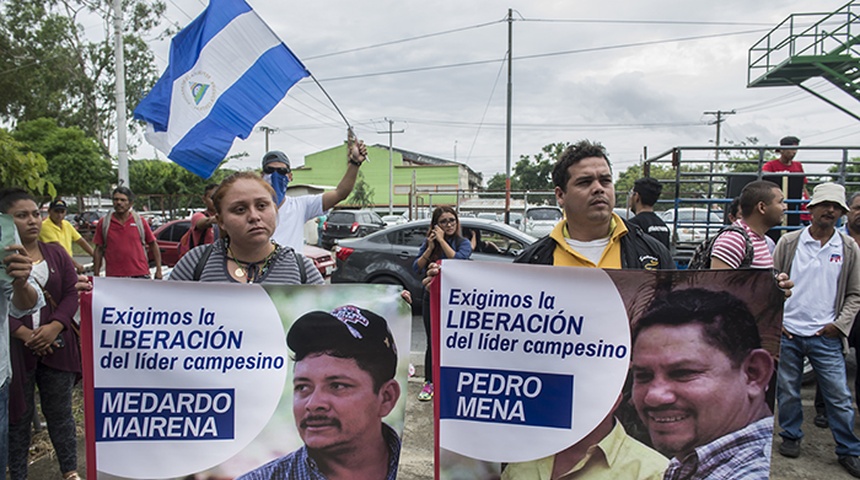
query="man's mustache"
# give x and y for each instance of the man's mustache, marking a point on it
(319, 420)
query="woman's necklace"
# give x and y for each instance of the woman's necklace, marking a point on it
(253, 270)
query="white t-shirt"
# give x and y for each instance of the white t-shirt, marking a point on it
(815, 271)
(592, 250)
(292, 215)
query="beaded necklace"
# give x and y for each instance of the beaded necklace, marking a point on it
(255, 270)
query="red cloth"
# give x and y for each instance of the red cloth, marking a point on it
(795, 167)
(124, 255)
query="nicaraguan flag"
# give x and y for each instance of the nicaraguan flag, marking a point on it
(227, 71)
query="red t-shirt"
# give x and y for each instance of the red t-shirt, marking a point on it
(124, 255)
(207, 236)
(795, 167)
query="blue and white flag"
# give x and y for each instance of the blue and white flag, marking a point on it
(227, 71)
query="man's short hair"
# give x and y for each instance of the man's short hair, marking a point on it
(727, 323)
(124, 191)
(208, 188)
(755, 192)
(347, 332)
(734, 207)
(853, 197)
(571, 156)
(649, 190)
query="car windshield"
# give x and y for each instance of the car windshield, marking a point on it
(698, 216)
(341, 217)
(544, 214)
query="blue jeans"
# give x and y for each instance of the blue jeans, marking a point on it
(825, 354)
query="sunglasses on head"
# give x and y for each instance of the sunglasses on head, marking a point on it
(282, 170)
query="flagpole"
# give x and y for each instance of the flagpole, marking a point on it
(330, 100)
(121, 142)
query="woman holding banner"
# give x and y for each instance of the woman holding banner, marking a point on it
(444, 240)
(44, 348)
(247, 216)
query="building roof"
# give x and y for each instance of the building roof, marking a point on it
(423, 159)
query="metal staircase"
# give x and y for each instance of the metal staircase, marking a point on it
(807, 45)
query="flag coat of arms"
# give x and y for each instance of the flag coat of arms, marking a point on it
(227, 71)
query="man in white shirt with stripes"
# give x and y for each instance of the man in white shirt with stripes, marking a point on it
(762, 206)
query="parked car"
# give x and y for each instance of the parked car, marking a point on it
(85, 222)
(386, 257)
(167, 236)
(539, 221)
(394, 220)
(342, 224)
(693, 224)
(624, 213)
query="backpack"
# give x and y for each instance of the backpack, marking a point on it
(701, 259)
(137, 220)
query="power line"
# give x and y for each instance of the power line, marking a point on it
(486, 108)
(404, 40)
(650, 22)
(541, 55)
(555, 126)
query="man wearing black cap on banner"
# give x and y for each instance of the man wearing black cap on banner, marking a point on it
(293, 212)
(59, 230)
(786, 163)
(343, 386)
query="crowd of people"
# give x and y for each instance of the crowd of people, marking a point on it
(700, 376)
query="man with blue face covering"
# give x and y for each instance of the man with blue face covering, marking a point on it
(293, 212)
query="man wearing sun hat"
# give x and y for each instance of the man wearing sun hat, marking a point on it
(58, 230)
(823, 262)
(786, 163)
(343, 386)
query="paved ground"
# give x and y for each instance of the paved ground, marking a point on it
(817, 461)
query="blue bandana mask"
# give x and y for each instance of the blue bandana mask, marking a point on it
(279, 183)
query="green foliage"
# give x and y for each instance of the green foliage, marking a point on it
(76, 165)
(362, 193)
(52, 68)
(532, 173)
(157, 177)
(23, 168)
(745, 160)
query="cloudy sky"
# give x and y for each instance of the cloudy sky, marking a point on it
(629, 73)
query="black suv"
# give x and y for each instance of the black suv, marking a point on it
(349, 224)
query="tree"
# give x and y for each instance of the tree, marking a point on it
(52, 68)
(22, 167)
(76, 164)
(362, 193)
(531, 173)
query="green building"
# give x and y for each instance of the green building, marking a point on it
(423, 179)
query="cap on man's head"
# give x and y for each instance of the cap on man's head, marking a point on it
(58, 204)
(275, 156)
(829, 192)
(348, 331)
(789, 141)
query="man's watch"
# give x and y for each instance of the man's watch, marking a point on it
(357, 164)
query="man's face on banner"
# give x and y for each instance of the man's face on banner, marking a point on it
(334, 404)
(686, 392)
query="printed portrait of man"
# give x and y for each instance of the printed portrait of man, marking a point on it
(700, 377)
(343, 386)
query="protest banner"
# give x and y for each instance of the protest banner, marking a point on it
(187, 380)
(534, 366)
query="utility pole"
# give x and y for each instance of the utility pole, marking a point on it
(719, 114)
(267, 131)
(390, 133)
(508, 126)
(121, 123)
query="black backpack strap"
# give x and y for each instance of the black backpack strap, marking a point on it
(201, 262)
(303, 274)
